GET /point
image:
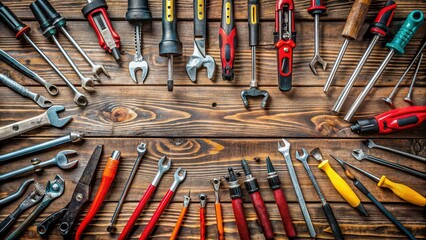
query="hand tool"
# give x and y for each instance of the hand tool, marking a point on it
(21, 30)
(371, 144)
(285, 151)
(252, 188)
(199, 58)
(227, 39)
(402, 191)
(68, 215)
(54, 189)
(107, 178)
(14, 196)
(5, 57)
(138, 14)
(414, 20)
(285, 42)
(339, 184)
(170, 45)
(141, 148)
(49, 31)
(32, 199)
(203, 201)
(60, 160)
(71, 137)
(23, 91)
(350, 32)
(218, 209)
(410, 91)
(317, 8)
(379, 28)
(390, 121)
(275, 185)
(59, 22)
(179, 177)
(253, 23)
(162, 168)
(388, 99)
(236, 194)
(186, 201)
(359, 155)
(96, 13)
(331, 219)
(49, 117)
(376, 202)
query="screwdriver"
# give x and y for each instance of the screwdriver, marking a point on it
(414, 20)
(96, 13)
(350, 32)
(317, 8)
(402, 191)
(170, 45)
(379, 28)
(227, 39)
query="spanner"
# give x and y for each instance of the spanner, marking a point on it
(32, 199)
(5, 57)
(12, 197)
(371, 144)
(49, 117)
(60, 160)
(40, 100)
(54, 189)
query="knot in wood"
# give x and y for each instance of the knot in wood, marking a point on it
(120, 114)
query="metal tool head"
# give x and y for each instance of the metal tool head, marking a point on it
(88, 175)
(216, 184)
(55, 188)
(408, 99)
(254, 92)
(303, 157)
(345, 169)
(179, 177)
(62, 159)
(162, 168)
(314, 61)
(80, 99)
(135, 66)
(316, 154)
(285, 148)
(359, 154)
(43, 102)
(198, 59)
(141, 148)
(52, 114)
(187, 199)
(369, 143)
(51, 89)
(388, 100)
(76, 136)
(88, 84)
(98, 69)
(34, 197)
(203, 199)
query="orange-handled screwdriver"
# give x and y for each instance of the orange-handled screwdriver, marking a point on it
(218, 209)
(186, 201)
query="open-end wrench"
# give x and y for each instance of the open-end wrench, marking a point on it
(54, 189)
(5, 57)
(138, 62)
(416, 71)
(317, 8)
(16, 194)
(371, 144)
(162, 168)
(49, 117)
(179, 177)
(32, 199)
(203, 201)
(40, 100)
(60, 160)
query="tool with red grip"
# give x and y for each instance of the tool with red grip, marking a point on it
(162, 168)
(179, 176)
(227, 39)
(393, 120)
(96, 13)
(252, 188)
(275, 185)
(203, 201)
(285, 42)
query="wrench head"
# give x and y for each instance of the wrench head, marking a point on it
(369, 143)
(179, 175)
(52, 115)
(62, 160)
(141, 148)
(358, 154)
(98, 69)
(135, 66)
(303, 157)
(55, 188)
(88, 84)
(194, 63)
(285, 148)
(51, 89)
(43, 102)
(210, 64)
(316, 154)
(254, 92)
(314, 61)
(162, 168)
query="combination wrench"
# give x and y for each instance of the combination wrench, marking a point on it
(371, 144)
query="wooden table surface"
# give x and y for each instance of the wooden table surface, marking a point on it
(204, 127)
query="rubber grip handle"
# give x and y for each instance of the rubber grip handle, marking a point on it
(170, 43)
(141, 205)
(262, 215)
(414, 20)
(355, 19)
(13, 22)
(317, 7)
(240, 218)
(383, 19)
(9, 221)
(253, 22)
(227, 40)
(340, 185)
(391, 120)
(284, 212)
(200, 19)
(404, 192)
(138, 12)
(219, 221)
(202, 223)
(227, 22)
(331, 219)
(44, 22)
(179, 222)
(51, 13)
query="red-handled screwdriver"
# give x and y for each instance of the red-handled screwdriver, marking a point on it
(227, 39)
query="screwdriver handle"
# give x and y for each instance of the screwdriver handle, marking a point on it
(170, 43)
(404, 192)
(55, 18)
(227, 39)
(284, 212)
(179, 222)
(383, 19)
(262, 215)
(317, 7)
(13, 22)
(200, 19)
(355, 19)
(48, 29)
(253, 22)
(414, 20)
(240, 218)
(138, 12)
(331, 219)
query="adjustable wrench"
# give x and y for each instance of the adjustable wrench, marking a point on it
(12, 197)
(50, 117)
(40, 100)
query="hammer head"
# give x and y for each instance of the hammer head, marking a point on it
(196, 61)
(254, 92)
(52, 115)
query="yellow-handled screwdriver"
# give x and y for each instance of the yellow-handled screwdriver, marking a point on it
(402, 191)
(339, 184)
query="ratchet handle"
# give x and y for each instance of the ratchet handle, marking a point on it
(13, 22)
(355, 19)
(227, 39)
(262, 214)
(332, 221)
(179, 222)
(404, 192)
(200, 19)
(381, 23)
(253, 22)
(284, 212)
(414, 20)
(240, 218)
(202, 223)
(219, 221)
(317, 7)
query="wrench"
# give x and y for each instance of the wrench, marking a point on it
(16, 194)
(49, 117)
(60, 160)
(54, 189)
(138, 62)
(371, 144)
(51, 89)
(40, 100)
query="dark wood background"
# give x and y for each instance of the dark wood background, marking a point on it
(204, 127)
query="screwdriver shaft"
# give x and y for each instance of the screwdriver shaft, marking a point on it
(336, 65)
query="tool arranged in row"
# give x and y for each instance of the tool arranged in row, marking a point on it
(218, 209)
(371, 144)
(227, 39)
(317, 8)
(19, 192)
(176, 229)
(203, 201)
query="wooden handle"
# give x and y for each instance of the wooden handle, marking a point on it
(355, 19)
(24, 126)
